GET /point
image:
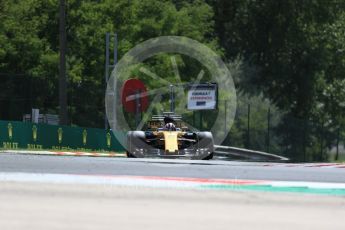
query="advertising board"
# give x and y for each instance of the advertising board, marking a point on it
(202, 97)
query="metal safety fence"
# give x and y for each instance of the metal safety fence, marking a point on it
(260, 126)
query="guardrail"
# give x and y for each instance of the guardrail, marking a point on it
(248, 154)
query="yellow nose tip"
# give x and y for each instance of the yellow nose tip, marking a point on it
(170, 141)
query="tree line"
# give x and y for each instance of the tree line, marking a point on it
(289, 52)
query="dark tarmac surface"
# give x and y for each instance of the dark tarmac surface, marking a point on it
(32, 205)
(172, 168)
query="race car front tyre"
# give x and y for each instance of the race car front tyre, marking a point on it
(209, 157)
(129, 155)
(135, 143)
(205, 141)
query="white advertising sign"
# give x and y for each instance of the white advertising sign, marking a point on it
(34, 115)
(202, 98)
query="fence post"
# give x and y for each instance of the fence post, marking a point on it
(305, 125)
(106, 73)
(321, 142)
(268, 128)
(225, 118)
(193, 118)
(137, 108)
(200, 121)
(338, 136)
(248, 127)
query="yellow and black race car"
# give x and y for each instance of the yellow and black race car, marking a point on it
(166, 136)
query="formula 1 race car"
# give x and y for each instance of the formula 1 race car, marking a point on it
(166, 136)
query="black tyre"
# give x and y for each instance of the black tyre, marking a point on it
(135, 140)
(209, 157)
(205, 140)
(129, 155)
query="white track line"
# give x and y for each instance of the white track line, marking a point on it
(161, 182)
(65, 153)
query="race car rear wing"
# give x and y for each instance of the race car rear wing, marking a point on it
(175, 117)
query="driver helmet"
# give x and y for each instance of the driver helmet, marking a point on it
(170, 126)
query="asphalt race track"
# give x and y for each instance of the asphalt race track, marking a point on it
(173, 168)
(63, 192)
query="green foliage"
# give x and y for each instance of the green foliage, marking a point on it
(293, 51)
(289, 52)
(29, 44)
